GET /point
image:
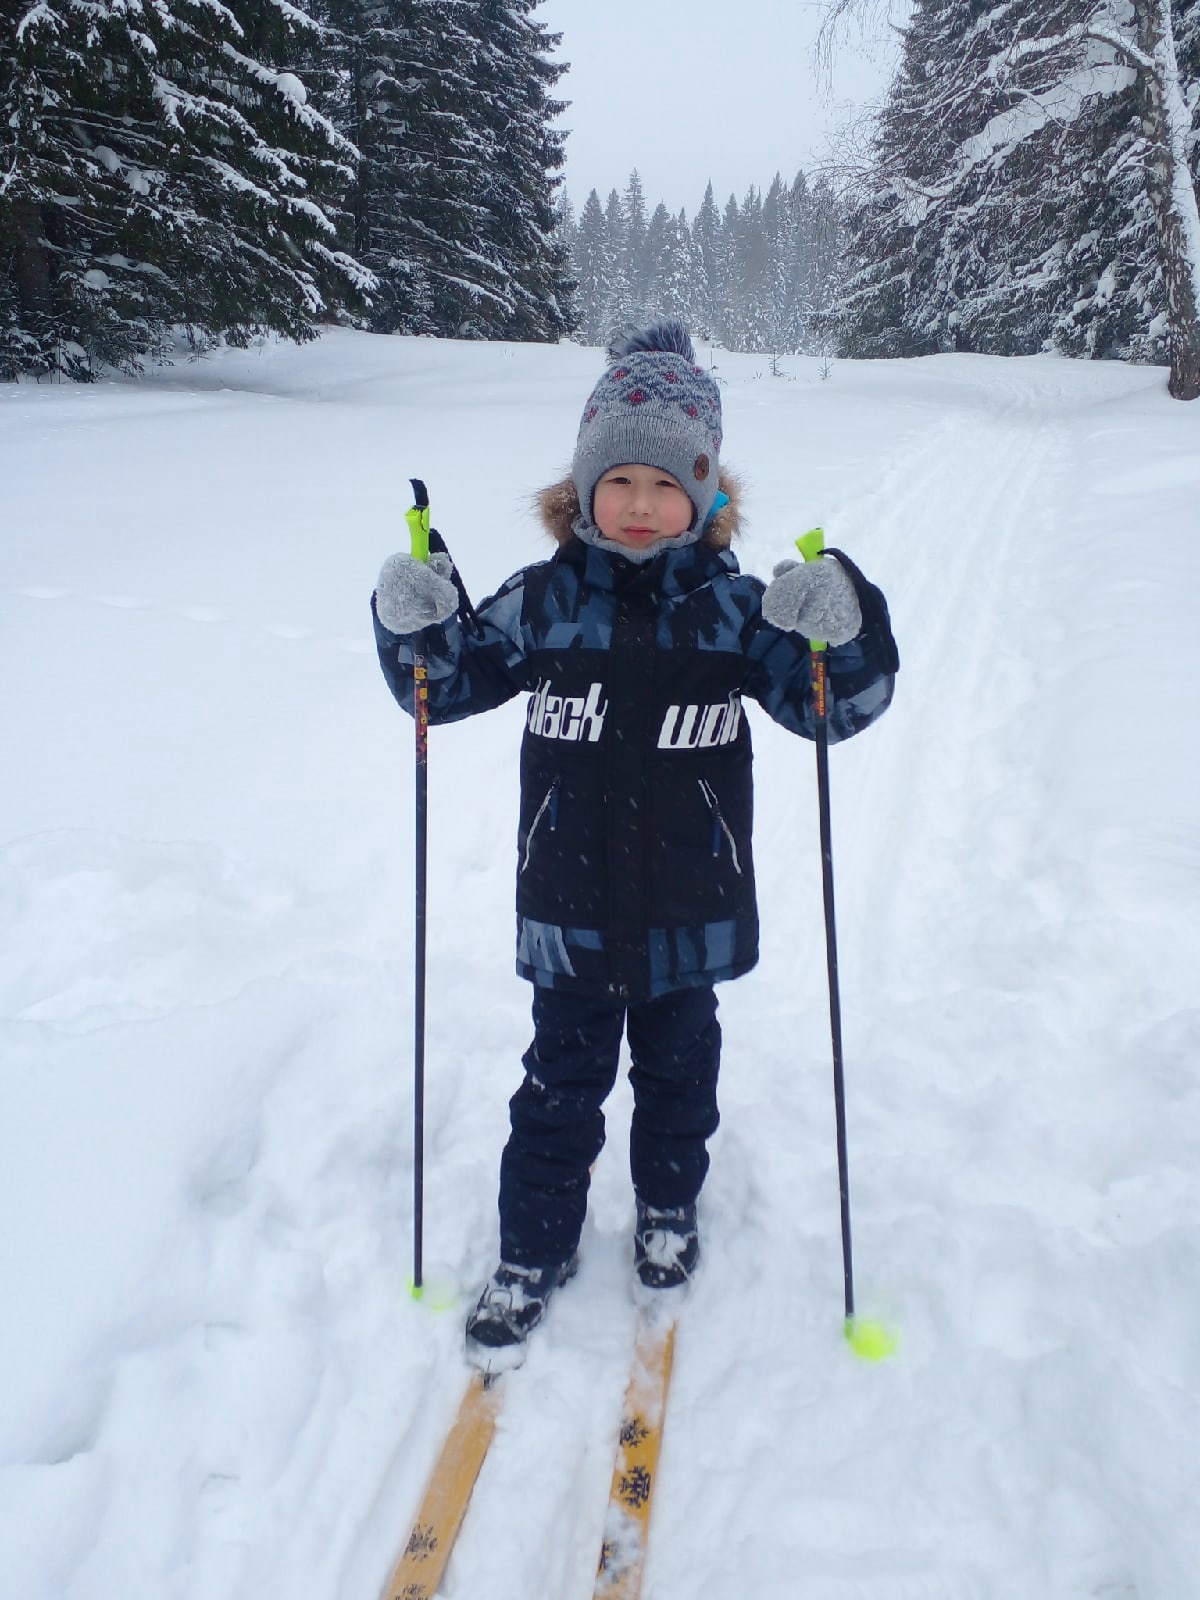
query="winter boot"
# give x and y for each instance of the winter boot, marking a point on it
(512, 1304)
(666, 1246)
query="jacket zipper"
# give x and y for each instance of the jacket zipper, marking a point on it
(720, 826)
(550, 803)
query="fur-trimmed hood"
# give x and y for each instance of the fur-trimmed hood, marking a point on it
(558, 506)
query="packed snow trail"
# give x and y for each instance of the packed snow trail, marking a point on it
(205, 905)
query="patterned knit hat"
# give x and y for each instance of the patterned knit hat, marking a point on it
(653, 407)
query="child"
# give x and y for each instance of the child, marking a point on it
(635, 642)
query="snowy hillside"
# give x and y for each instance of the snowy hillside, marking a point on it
(216, 1386)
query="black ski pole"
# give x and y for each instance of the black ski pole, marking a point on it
(867, 1339)
(418, 526)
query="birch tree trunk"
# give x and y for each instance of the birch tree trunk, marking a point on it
(1172, 192)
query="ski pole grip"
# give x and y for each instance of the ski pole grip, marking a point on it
(418, 521)
(811, 545)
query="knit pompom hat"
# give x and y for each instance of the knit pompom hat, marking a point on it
(653, 407)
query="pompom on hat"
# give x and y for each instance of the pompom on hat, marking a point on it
(652, 407)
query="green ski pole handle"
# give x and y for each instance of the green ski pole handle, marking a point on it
(811, 545)
(417, 518)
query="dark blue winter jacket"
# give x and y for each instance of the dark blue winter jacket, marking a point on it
(635, 872)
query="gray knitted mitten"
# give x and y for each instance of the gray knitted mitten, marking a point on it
(412, 595)
(815, 598)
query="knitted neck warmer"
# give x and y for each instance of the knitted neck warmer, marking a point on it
(584, 528)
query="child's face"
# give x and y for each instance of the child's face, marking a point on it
(637, 506)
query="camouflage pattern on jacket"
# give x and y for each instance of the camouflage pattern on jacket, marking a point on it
(635, 871)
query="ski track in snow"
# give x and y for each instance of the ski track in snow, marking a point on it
(204, 874)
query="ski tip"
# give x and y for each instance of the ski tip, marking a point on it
(871, 1340)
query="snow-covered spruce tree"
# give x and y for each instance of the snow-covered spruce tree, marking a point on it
(779, 229)
(919, 249)
(654, 243)
(159, 166)
(755, 275)
(1035, 185)
(801, 266)
(683, 287)
(592, 270)
(566, 223)
(394, 77)
(781, 253)
(564, 237)
(733, 296)
(620, 311)
(669, 264)
(757, 243)
(511, 108)
(1087, 58)
(1100, 253)
(821, 222)
(709, 247)
(637, 262)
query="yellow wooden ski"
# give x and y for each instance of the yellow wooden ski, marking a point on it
(419, 1571)
(627, 1525)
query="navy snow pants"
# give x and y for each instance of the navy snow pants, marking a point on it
(558, 1123)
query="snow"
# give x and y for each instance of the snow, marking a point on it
(217, 1386)
(290, 86)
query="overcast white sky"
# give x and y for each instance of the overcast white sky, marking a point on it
(687, 90)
